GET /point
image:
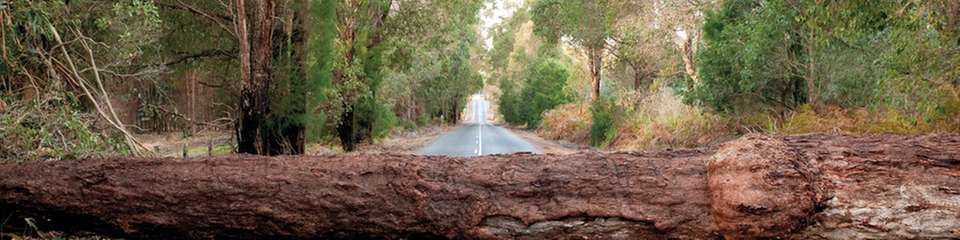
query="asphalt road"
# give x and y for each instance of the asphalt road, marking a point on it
(477, 137)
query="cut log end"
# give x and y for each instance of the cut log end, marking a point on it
(759, 188)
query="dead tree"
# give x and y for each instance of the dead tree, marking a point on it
(799, 187)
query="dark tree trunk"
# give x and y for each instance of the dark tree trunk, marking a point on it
(255, 29)
(802, 187)
(291, 138)
(640, 75)
(345, 130)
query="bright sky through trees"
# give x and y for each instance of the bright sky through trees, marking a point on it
(493, 13)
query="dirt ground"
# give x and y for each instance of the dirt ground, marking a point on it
(406, 142)
(172, 144)
(549, 146)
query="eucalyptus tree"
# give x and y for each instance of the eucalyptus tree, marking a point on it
(61, 61)
(586, 23)
(641, 41)
(776, 55)
(422, 47)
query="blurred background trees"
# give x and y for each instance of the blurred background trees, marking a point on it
(81, 78)
(326, 71)
(687, 73)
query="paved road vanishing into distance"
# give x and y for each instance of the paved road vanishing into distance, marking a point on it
(477, 137)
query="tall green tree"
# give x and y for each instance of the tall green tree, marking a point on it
(544, 90)
(322, 49)
(586, 23)
(749, 57)
(775, 55)
(412, 57)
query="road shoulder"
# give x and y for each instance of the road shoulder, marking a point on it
(547, 146)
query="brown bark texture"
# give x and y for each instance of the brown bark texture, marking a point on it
(255, 23)
(596, 71)
(794, 187)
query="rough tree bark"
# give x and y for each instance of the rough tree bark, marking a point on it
(801, 187)
(596, 71)
(688, 55)
(255, 32)
(364, 33)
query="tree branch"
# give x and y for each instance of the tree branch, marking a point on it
(219, 19)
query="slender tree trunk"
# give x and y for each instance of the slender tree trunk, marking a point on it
(255, 30)
(596, 68)
(811, 69)
(639, 75)
(688, 55)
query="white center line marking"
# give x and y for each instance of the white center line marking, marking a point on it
(478, 105)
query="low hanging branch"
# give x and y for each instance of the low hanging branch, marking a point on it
(106, 110)
(801, 187)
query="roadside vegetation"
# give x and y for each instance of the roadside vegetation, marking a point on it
(90, 78)
(658, 74)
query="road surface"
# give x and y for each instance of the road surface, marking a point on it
(477, 137)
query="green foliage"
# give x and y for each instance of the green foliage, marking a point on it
(586, 22)
(509, 103)
(603, 128)
(321, 32)
(745, 61)
(775, 55)
(407, 64)
(56, 129)
(385, 121)
(543, 90)
(504, 38)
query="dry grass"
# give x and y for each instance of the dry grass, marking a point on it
(568, 122)
(658, 120)
(862, 121)
(662, 120)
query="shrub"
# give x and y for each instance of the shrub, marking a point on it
(54, 130)
(385, 120)
(569, 122)
(508, 103)
(661, 120)
(855, 120)
(603, 128)
(542, 91)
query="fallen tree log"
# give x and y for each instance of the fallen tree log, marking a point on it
(797, 187)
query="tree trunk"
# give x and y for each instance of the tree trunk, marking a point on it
(811, 69)
(292, 137)
(639, 75)
(345, 129)
(255, 30)
(800, 187)
(596, 70)
(688, 55)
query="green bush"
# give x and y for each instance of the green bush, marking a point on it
(604, 128)
(542, 91)
(384, 121)
(55, 130)
(776, 56)
(508, 102)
